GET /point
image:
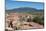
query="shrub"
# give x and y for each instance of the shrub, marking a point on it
(39, 20)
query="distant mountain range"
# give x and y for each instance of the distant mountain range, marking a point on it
(25, 9)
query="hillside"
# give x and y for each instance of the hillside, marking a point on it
(24, 9)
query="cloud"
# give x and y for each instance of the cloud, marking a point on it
(30, 0)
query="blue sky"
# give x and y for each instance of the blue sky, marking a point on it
(14, 4)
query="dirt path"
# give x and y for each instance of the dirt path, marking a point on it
(32, 25)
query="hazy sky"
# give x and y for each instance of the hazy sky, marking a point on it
(14, 4)
(30, 0)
